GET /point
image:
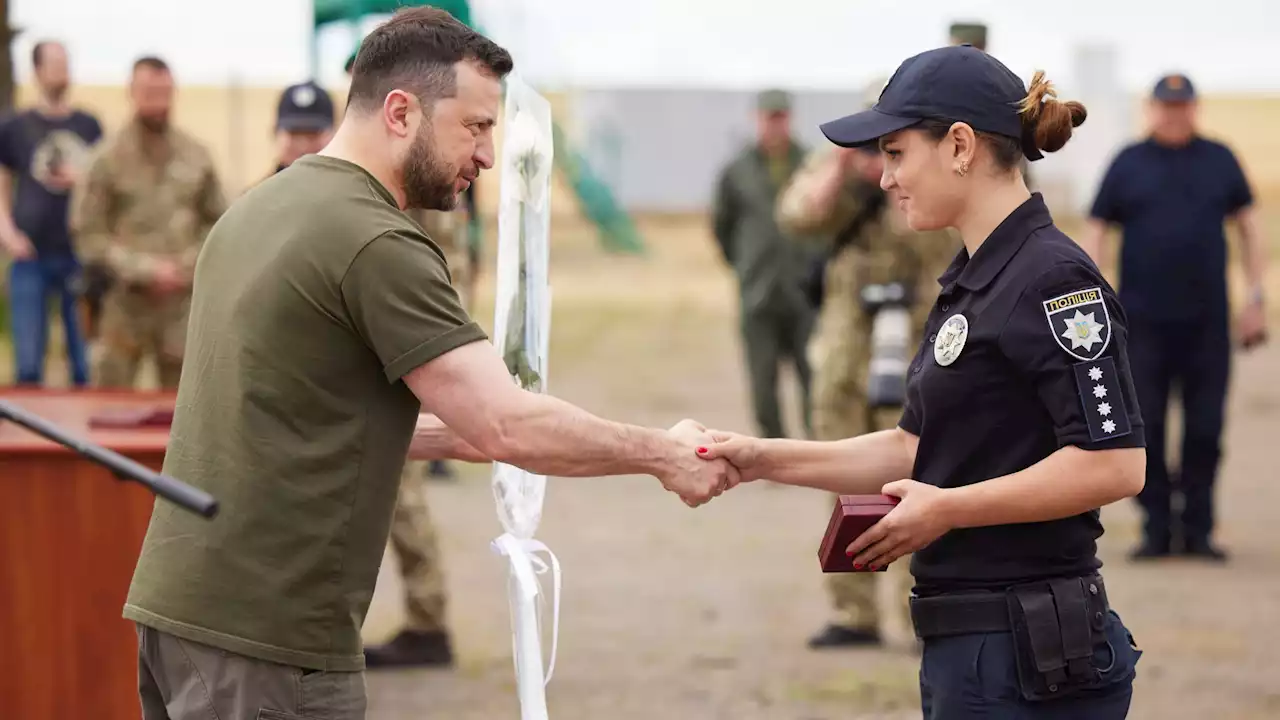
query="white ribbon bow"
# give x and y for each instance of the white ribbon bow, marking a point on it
(526, 566)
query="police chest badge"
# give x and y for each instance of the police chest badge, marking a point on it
(1079, 323)
(950, 340)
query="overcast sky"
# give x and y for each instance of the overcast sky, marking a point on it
(797, 43)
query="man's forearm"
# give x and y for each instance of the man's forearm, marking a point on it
(551, 437)
(1094, 240)
(8, 228)
(856, 466)
(1253, 250)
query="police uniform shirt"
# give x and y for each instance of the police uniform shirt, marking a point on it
(1024, 354)
(1171, 204)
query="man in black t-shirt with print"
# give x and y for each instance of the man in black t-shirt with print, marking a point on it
(43, 151)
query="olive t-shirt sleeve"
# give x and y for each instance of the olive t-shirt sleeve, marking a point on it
(1068, 337)
(399, 300)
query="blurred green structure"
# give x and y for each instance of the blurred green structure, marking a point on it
(617, 231)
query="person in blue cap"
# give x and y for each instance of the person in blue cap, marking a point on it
(305, 118)
(1171, 194)
(1020, 420)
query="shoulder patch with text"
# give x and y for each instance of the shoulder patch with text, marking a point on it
(1079, 323)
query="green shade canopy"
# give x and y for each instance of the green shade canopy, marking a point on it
(333, 11)
(618, 232)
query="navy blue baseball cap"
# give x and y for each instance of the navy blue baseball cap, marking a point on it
(1174, 88)
(958, 83)
(305, 107)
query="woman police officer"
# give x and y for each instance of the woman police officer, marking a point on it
(1020, 419)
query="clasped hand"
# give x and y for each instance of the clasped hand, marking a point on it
(922, 515)
(710, 462)
(695, 479)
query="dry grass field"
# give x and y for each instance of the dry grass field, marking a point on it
(676, 613)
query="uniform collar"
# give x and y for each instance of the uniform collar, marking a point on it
(795, 152)
(998, 249)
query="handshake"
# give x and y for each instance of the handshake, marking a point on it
(705, 462)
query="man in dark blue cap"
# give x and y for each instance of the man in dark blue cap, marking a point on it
(305, 119)
(1171, 194)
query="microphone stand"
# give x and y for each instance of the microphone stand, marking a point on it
(190, 498)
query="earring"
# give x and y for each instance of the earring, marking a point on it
(964, 168)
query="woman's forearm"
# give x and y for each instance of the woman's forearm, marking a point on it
(857, 466)
(1068, 482)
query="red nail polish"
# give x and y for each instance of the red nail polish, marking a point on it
(702, 451)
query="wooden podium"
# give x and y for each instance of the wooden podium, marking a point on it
(70, 533)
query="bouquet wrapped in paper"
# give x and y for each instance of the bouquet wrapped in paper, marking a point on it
(522, 325)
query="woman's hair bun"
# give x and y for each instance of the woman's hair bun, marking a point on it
(1050, 119)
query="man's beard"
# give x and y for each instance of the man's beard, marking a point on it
(428, 180)
(55, 93)
(154, 123)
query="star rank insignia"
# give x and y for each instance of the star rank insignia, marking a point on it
(1079, 323)
(1099, 386)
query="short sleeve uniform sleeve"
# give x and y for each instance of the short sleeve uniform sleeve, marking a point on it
(400, 302)
(1240, 195)
(1067, 337)
(1107, 204)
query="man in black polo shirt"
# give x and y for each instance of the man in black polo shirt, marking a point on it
(1171, 194)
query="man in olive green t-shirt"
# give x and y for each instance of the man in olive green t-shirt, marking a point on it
(322, 323)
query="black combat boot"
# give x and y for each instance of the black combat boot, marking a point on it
(412, 649)
(839, 636)
(439, 470)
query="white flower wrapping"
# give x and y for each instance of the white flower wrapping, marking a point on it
(527, 147)
(522, 323)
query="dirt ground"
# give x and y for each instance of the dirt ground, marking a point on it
(677, 613)
(670, 612)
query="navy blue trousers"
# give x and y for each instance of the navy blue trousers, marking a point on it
(1194, 358)
(967, 677)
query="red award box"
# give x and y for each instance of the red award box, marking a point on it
(851, 516)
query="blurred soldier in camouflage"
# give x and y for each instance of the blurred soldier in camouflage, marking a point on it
(424, 640)
(974, 34)
(142, 211)
(775, 315)
(836, 198)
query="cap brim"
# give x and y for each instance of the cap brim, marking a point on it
(864, 128)
(304, 123)
(1183, 95)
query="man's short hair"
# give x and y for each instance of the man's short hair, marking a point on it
(416, 51)
(37, 51)
(150, 62)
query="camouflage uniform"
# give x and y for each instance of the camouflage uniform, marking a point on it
(886, 250)
(974, 34)
(145, 198)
